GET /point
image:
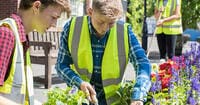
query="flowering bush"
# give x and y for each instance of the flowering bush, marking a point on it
(177, 81)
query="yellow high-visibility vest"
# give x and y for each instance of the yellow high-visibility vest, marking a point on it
(18, 87)
(173, 27)
(115, 56)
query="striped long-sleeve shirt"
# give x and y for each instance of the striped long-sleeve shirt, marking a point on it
(136, 55)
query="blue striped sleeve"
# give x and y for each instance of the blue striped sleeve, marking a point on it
(142, 67)
(64, 60)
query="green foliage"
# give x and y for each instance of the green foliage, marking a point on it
(68, 96)
(150, 7)
(190, 13)
(135, 14)
(125, 93)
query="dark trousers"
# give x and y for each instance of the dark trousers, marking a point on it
(166, 45)
(179, 45)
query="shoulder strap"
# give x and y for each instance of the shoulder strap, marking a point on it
(12, 25)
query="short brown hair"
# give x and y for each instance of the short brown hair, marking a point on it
(110, 8)
(26, 4)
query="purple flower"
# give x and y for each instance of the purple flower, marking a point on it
(171, 85)
(153, 101)
(191, 101)
(195, 84)
(156, 86)
(190, 72)
(153, 88)
(175, 75)
(74, 90)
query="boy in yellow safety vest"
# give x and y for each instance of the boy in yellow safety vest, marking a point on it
(16, 81)
(95, 51)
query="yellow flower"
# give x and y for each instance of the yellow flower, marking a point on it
(154, 67)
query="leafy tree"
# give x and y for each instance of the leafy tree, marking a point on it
(135, 14)
(190, 13)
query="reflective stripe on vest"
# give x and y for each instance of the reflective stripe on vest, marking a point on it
(116, 53)
(14, 88)
(29, 80)
(172, 27)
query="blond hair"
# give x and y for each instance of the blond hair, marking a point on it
(110, 8)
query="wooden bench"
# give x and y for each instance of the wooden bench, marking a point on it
(44, 51)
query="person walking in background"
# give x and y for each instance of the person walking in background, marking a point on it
(169, 26)
(16, 81)
(94, 52)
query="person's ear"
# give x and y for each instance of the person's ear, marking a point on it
(36, 7)
(90, 11)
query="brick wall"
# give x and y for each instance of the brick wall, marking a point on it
(7, 7)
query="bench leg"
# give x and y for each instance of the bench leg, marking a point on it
(48, 78)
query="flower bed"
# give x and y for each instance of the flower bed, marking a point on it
(177, 81)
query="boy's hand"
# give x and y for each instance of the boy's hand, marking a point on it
(89, 91)
(136, 103)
